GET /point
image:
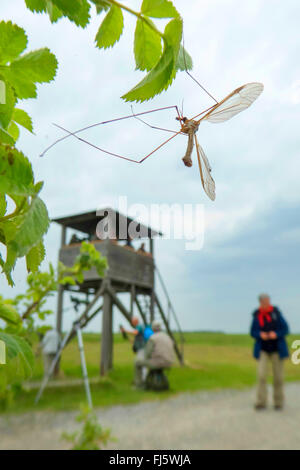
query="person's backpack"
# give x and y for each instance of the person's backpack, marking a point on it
(157, 380)
(147, 332)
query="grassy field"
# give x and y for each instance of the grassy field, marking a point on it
(213, 361)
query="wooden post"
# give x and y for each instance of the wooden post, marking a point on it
(60, 293)
(60, 300)
(132, 299)
(152, 304)
(107, 335)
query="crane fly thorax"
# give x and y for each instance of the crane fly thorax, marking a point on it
(189, 126)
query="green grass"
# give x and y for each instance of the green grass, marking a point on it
(213, 361)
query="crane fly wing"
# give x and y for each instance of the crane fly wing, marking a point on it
(237, 101)
(205, 172)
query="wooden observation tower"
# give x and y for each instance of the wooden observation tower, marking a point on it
(129, 271)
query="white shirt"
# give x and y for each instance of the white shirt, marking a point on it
(50, 342)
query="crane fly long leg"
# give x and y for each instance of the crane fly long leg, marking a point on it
(105, 122)
(205, 172)
(115, 154)
(150, 125)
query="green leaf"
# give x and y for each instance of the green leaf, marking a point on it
(5, 138)
(76, 10)
(159, 9)
(53, 12)
(68, 280)
(21, 117)
(19, 359)
(29, 228)
(101, 5)
(35, 67)
(35, 256)
(13, 130)
(156, 80)
(147, 46)
(9, 314)
(173, 34)
(38, 6)
(16, 177)
(110, 29)
(184, 60)
(13, 41)
(3, 205)
(23, 232)
(6, 109)
(162, 75)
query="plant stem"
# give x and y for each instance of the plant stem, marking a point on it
(139, 16)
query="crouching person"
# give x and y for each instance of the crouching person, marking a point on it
(159, 354)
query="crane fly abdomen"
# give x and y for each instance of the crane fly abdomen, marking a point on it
(190, 128)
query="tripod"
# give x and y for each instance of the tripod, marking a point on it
(76, 327)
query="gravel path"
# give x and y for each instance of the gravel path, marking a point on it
(202, 420)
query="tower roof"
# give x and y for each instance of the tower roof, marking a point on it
(119, 225)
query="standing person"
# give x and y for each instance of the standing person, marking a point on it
(141, 335)
(50, 345)
(269, 329)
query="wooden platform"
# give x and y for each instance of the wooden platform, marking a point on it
(126, 266)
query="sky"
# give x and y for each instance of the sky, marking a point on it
(252, 229)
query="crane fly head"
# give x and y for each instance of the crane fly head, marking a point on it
(182, 119)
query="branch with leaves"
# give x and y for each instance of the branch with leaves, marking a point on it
(22, 229)
(91, 436)
(160, 53)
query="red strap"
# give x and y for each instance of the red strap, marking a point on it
(264, 315)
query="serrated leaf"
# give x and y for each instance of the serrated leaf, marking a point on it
(16, 177)
(13, 130)
(3, 205)
(35, 67)
(162, 75)
(173, 34)
(5, 138)
(19, 359)
(67, 7)
(101, 5)
(147, 46)
(13, 41)
(38, 6)
(29, 228)
(9, 314)
(110, 29)
(23, 119)
(35, 256)
(184, 60)
(155, 81)
(159, 9)
(76, 10)
(6, 110)
(68, 280)
(54, 13)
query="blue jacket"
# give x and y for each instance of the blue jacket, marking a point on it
(282, 330)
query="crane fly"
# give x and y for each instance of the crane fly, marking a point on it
(234, 103)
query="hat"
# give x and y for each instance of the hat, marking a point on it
(156, 326)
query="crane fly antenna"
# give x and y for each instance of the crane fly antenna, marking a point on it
(190, 75)
(182, 107)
